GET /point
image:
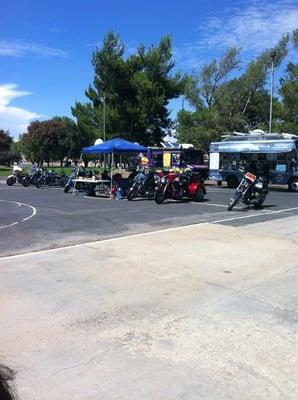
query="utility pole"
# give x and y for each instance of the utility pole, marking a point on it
(272, 55)
(104, 127)
(104, 117)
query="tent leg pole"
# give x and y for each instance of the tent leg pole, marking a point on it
(111, 195)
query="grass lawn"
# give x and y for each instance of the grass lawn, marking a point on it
(5, 171)
(68, 170)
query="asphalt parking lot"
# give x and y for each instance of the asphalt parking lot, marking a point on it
(36, 219)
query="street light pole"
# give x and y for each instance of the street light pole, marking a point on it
(104, 117)
(272, 55)
(104, 126)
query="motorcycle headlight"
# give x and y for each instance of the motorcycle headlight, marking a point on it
(157, 180)
(259, 185)
(163, 179)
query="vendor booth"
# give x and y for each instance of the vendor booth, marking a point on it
(114, 146)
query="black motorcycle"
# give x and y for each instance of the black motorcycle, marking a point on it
(252, 190)
(51, 178)
(32, 176)
(143, 185)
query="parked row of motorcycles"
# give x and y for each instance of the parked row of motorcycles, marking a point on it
(145, 183)
(36, 176)
(169, 185)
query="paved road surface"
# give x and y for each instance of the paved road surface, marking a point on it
(205, 312)
(33, 219)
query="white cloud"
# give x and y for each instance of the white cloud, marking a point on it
(14, 119)
(21, 49)
(253, 26)
(257, 26)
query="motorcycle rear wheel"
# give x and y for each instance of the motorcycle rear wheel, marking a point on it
(66, 189)
(11, 180)
(293, 185)
(63, 181)
(259, 201)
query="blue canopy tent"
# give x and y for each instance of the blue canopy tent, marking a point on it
(115, 146)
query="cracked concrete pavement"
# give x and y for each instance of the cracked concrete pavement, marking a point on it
(204, 312)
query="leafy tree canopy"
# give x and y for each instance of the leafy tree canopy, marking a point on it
(5, 140)
(49, 140)
(8, 152)
(225, 100)
(134, 90)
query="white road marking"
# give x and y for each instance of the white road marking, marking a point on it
(264, 213)
(97, 198)
(211, 204)
(223, 190)
(22, 220)
(12, 187)
(177, 228)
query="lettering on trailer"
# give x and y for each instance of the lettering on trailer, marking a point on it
(249, 147)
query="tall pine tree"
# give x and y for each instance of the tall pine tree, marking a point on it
(136, 91)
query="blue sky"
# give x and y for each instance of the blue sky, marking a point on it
(46, 46)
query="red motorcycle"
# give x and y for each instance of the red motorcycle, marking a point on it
(178, 186)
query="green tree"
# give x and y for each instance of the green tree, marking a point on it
(212, 74)
(51, 140)
(16, 151)
(5, 145)
(66, 140)
(136, 91)
(289, 94)
(225, 101)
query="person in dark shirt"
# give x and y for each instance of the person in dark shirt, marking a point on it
(251, 167)
(266, 170)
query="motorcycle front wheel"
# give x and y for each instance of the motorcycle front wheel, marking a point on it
(234, 200)
(159, 197)
(199, 195)
(132, 193)
(231, 205)
(25, 182)
(39, 183)
(66, 189)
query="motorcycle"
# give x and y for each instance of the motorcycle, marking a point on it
(177, 186)
(51, 178)
(143, 185)
(77, 171)
(250, 191)
(16, 176)
(70, 183)
(32, 176)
